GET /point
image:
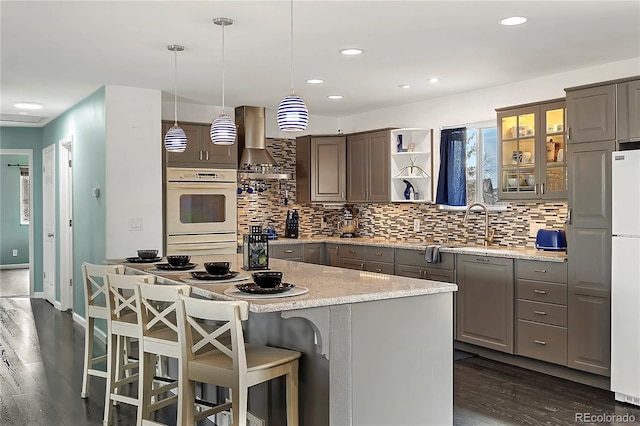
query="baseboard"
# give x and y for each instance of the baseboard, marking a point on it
(15, 266)
(555, 370)
(57, 305)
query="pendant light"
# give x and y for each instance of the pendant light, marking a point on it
(175, 140)
(223, 129)
(293, 114)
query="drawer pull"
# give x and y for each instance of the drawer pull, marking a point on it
(540, 270)
(288, 251)
(362, 266)
(540, 312)
(540, 291)
(540, 342)
(482, 260)
(352, 251)
(378, 270)
(378, 254)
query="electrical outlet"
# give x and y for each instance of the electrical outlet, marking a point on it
(533, 228)
(323, 224)
(15, 252)
(416, 225)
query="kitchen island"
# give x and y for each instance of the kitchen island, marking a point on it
(377, 349)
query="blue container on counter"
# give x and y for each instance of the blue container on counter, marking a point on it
(551, 240)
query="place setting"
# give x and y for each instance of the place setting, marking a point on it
(215, 273)
(145, 256)
(266, 284)
(176, 263)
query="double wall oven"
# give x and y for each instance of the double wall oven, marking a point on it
(201, 211)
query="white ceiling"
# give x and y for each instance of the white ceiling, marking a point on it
(57, 53)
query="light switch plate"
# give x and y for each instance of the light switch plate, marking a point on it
(135, 224)
(533, 228)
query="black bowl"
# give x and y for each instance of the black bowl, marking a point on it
(178, 259)
(147, 254)
(217, 268)
(267, 279)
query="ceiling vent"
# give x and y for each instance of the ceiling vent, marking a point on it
(22, 118)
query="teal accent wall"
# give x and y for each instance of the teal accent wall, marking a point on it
(13, 235)
(30, 138)
(86, 123)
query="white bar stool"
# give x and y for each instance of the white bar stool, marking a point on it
(123, 321)
(236, 366)
(94, 308)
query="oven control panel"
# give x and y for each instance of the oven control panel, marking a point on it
(200, 175)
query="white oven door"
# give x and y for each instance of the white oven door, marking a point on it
(201, 208)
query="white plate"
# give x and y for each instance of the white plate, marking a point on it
(234, 292)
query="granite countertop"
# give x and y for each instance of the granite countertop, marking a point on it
(327, 285)
(495, 251)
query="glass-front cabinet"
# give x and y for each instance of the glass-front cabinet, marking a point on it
(531, 151)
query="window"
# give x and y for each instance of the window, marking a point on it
(24, 196)
(482, 161)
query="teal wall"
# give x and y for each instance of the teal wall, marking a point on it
(13, 235)
(86, 123)
(30, 138)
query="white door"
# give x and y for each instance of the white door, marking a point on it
(49, 223)
(65, 235)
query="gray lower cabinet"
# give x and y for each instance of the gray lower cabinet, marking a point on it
(484, 303)
(380, 259)
(332, 254)
(291, 252)
(411, 263)
(352, 257)
(313, 253)
(589, 333)
(541, 309)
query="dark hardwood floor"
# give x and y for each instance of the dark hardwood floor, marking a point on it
(40, 379)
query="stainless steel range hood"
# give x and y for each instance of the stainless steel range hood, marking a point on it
(255, 162)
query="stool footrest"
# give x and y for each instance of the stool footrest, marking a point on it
(210, 411)
(97, 373)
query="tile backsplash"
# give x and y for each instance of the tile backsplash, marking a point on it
(391, 220)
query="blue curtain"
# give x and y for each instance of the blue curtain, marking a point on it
(452, 182)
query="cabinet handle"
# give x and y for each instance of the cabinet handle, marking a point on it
(568, 219)
(540, 291)
(482, 260)
(288, 251)
(426, 275)
(378, 254)
(542, 188)
(378, 270)
(568, 133)
(362, 266)
(544, 271)
(206, 155)
(535, 188)
(351, 251)
(540, 312)
(540, 342)
(200, 155)
(342, 195)
(421, 274)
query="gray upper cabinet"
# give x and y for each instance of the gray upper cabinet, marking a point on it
(484, 303)
(629, 111)
(321, 169)
(200, 151)
(368, 167)
(591, 114)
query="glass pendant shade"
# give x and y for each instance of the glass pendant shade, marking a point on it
(223, 130)
(175, 140)
(293, 114)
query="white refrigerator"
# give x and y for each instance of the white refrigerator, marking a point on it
(625, 277)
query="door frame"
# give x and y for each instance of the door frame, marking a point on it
(65, 191)
(29, 154)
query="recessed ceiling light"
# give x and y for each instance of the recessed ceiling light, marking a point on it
(335, 96)
(403, 86)
(28, 105)
(351, 51)
(513, 20)
(434, 80)
(315, 81)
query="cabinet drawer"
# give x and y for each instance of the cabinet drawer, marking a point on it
(439, 275)
(380, 254)
(380, 267)
(542, 292)
(542, 312)
(352, 252)
(286, 251)
(543, 342)
(416, 258)
(352, 264)
(542, 271)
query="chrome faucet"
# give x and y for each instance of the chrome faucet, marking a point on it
(488, 234)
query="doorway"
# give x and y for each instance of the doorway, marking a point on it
(21, 277)
(49, 223)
